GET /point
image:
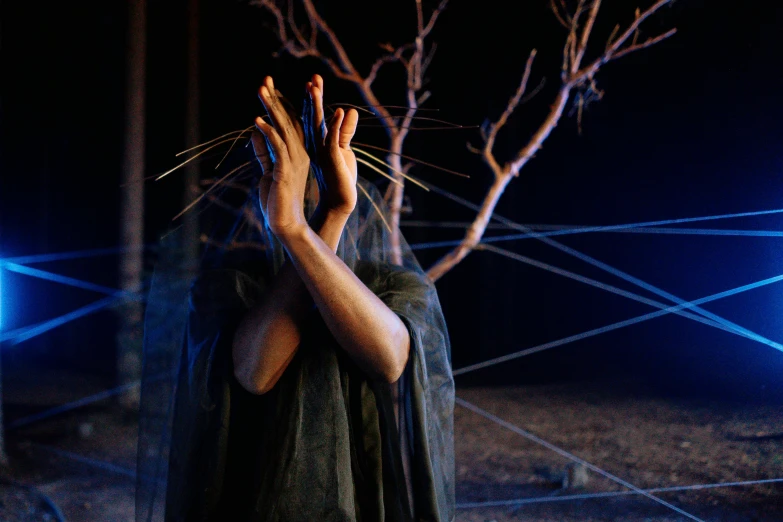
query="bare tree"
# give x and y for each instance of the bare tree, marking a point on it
(129, 336)
(577, 83)
(192, 134)
(414, 56)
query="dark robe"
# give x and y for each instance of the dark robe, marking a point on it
(323, 444)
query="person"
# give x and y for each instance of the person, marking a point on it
(314, 380)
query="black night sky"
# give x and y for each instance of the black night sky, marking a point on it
(688, 128)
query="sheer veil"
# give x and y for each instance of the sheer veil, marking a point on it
(234, 237)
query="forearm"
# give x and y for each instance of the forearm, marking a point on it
(269, 334)
(373, 335)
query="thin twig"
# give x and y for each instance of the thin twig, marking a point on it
(416, 160)
(401, 173)
(375, 206)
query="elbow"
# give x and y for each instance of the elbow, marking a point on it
(253, 383)
(261, 389)
(393, 375)
(400, 351)
(249, 377)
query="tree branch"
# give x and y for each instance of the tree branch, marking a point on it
(394, 56)
(647, 43)
(614, 50)
(573, 53)
(494, 128)
(573, 76)
(586, 31)
(425, 31)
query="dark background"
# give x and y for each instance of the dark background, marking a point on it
(690, 127)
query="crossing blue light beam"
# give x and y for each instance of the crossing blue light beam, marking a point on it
(609, 288)
(609, 494)
(528, 233)
(619, 273)
(70, 281)
(73, 405)
(74, 254)
(570, 456)
(463, 225)
(617, 325)
(572, 230)
(28, 332)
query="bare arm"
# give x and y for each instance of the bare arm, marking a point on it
(373, 335)
(269, 334)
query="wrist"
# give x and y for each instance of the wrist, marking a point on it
(325, 213)
(290, 234)
(338, 212)
(329, 225)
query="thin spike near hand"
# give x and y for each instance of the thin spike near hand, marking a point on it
(335, 161)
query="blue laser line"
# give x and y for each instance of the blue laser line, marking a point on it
(608, 494)
(617, 325)
(662, 293)
(570, 456)
(75, 254)
(86, 460)
(606, 287)
(58, 514)
(606, 228)
(568, 231)
(107, 466)
(24, 421)
(23, 334)
(641, 230)
(70, 281)
(97, 252)
(704, 232)
(84, 401)
(436, 244)
(619, 273)
(563, 229)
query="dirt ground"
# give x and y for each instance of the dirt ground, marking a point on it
(648, 440)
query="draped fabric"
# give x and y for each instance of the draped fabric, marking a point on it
(327, 442)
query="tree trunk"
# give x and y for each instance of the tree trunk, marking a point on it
(398, 190)
(503, 176)
(192, 137)
(475, 232)
(130, 331)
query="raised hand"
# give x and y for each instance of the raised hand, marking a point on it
(330, 149)
(281, 152)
